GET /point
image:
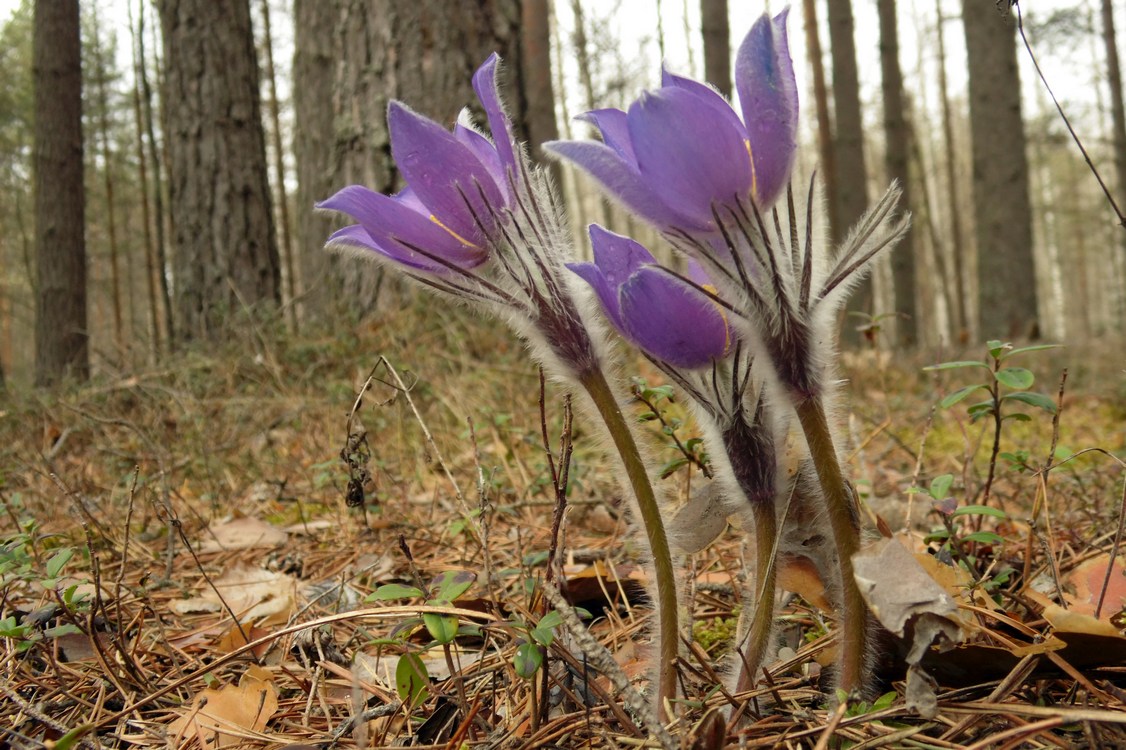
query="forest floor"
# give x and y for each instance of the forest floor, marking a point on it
(182, 565)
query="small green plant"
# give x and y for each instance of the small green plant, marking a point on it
(24, 564)
(412, 680)
(861, 708)
(1006, 388)
(950, 536)
(657, 400)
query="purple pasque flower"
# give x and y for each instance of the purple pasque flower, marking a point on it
(457, 183)
(681, 151)
(669, 320)
(475, 220)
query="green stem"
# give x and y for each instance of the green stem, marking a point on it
(844, 523)
(668, 630)
(766, 535)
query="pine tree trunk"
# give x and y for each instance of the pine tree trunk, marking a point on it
(107, 173)
(225, 254)
(538, 88)
(852, 176)
(1118, 124)
(61, 337)
(715, 28)
(279, 166)
(1002, 208)
(828, 166)
(157, 160)
(957, 246)
(146, 215)
(896, 153)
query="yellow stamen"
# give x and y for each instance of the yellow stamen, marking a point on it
(751, 158)
(456, 236)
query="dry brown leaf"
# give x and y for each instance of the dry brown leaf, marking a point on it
(1087, 580)
(702, 519)
(242, 533)
(910, 603)
(222, 717)
(1072, 621)
(265, 596)
(799, 574)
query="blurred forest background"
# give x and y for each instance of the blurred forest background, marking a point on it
(159, 161)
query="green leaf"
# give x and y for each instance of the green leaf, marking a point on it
(979, 410)
(58, 560)
(985, 537)
(938, 535)
(1017, 416)
(448, 586)
(1026, 349)
(980, 510)
(412, 682)
(543, 636)
(390, 591)
(670, 468)
(955, 365)
(551, 620)
(528, 660)
(940, 486)
(443, 628)
(884, 701)
(67, 628)
(997, 348)
(1039, 400)
(1016, 378)
(959, 395)
(71, 738)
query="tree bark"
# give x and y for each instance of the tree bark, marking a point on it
(61, 337)
(896, 155)
(157, 160)
(279, 165)
(351, 58)
(538, 86)
(1002, 207)
(107, 174)
(957, 246)
(225, 254)
(852, 176)
(716, 31)
(828, 168)
(143, 178)
(1118, 125)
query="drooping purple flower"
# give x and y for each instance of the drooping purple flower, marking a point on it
(458, 183)
(669, 320)
(681, 151)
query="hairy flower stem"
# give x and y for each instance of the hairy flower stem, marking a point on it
(668, 630)
(758, 637)
(844, 525)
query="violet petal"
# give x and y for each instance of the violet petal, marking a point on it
(485, 84)
(390, 223)
(694, 155)
(671, 321)
(444, 173)
(768, 95)
(613, 125)
(623, 181)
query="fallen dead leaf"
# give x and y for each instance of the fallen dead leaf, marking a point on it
(911, 604)
(255, 595)
(1087, 580)
(223, 717)
(242, 533)
(702, 519)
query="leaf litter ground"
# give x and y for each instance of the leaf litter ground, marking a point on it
(182, 567)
